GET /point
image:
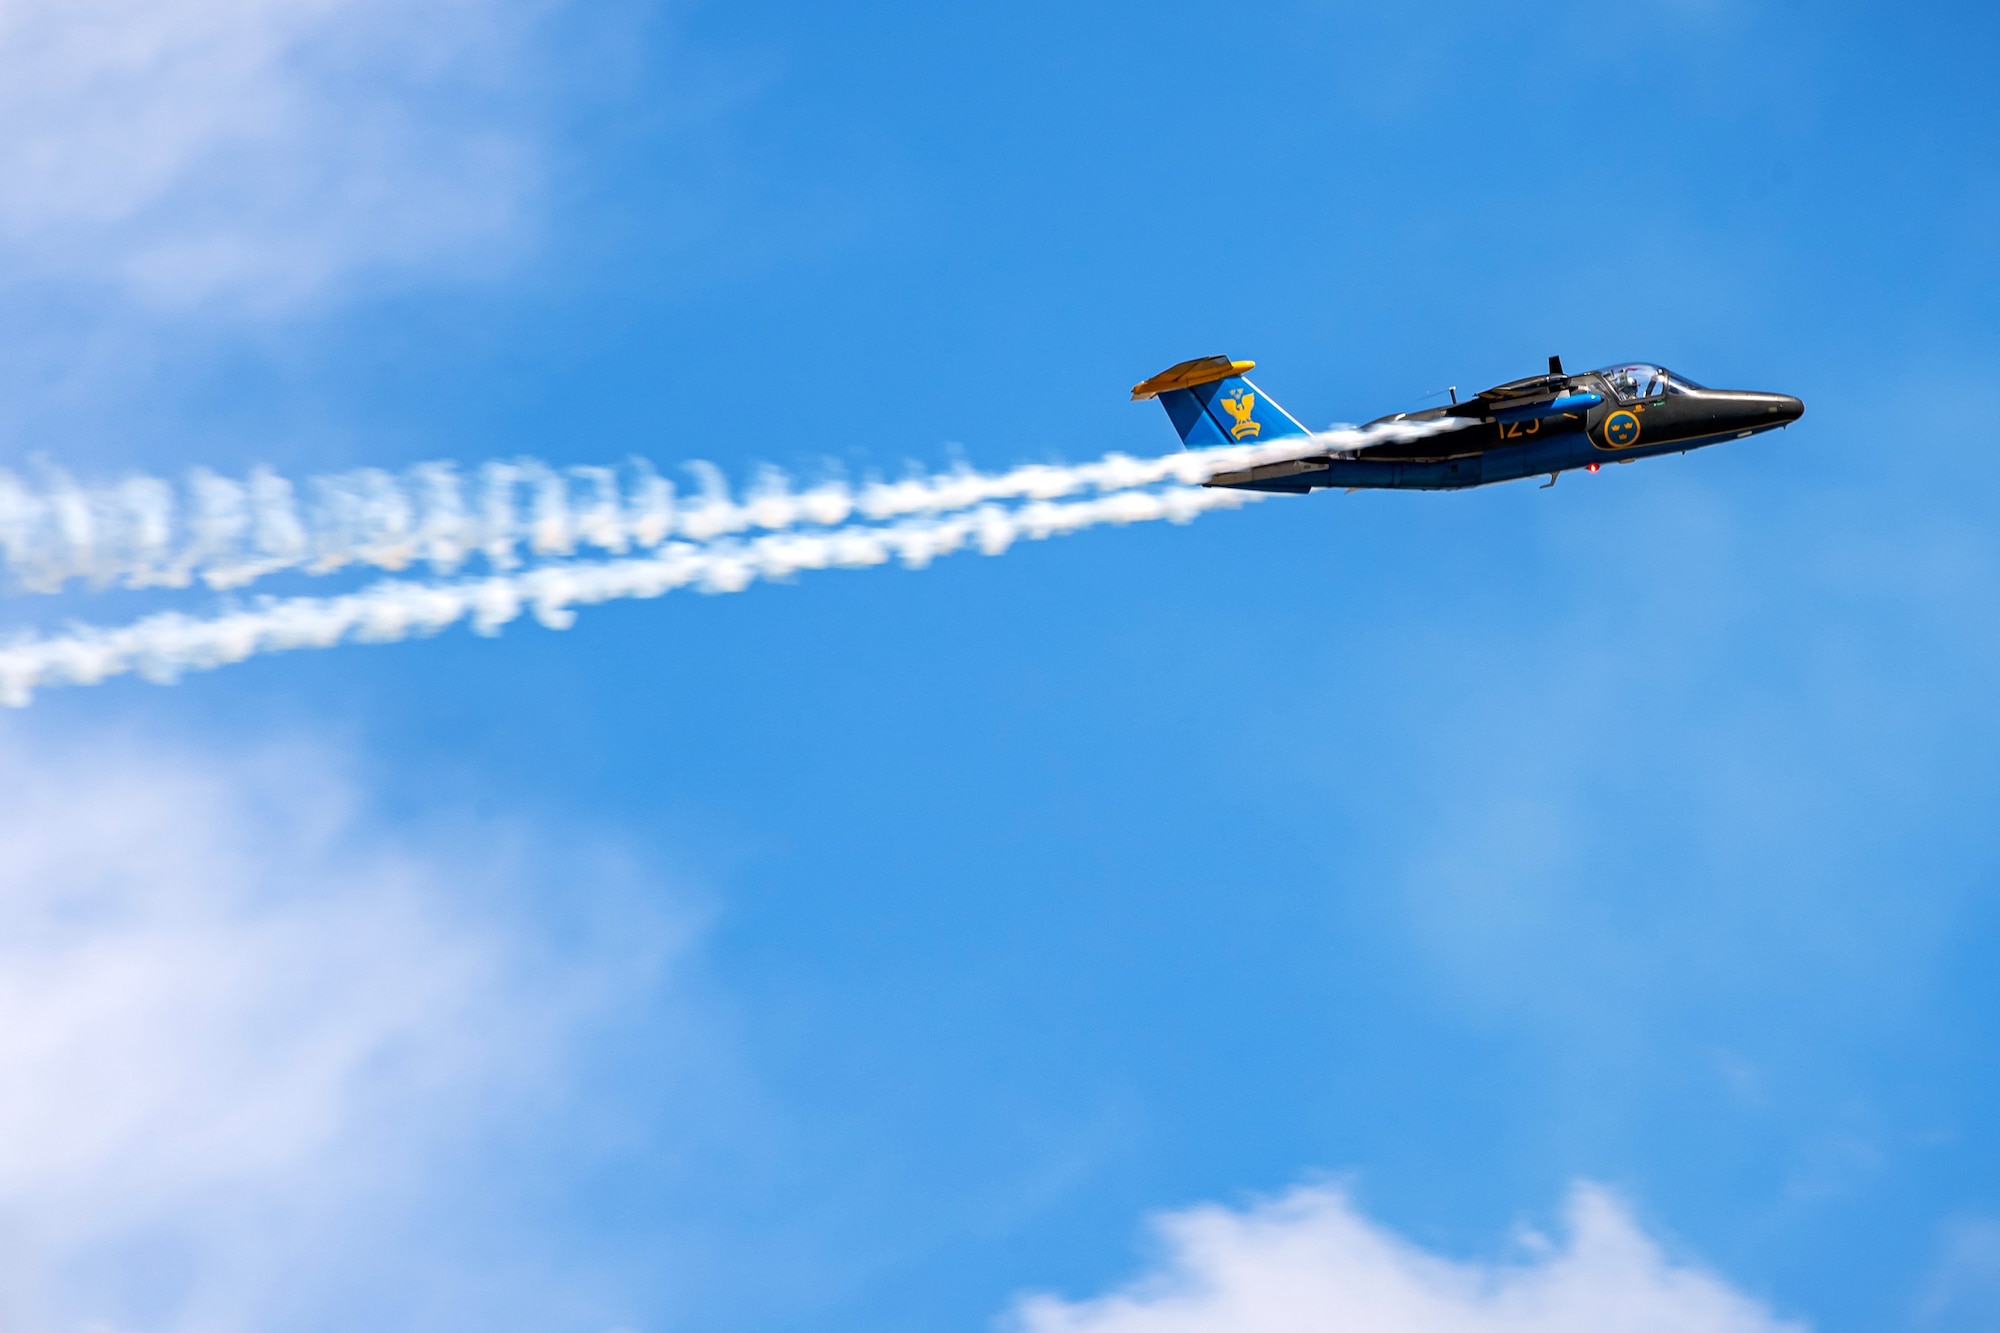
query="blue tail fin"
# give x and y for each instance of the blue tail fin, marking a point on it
(1210, 403)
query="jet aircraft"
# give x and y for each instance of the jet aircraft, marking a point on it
(1542, 425)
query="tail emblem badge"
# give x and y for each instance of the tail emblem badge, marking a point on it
(1240, 407)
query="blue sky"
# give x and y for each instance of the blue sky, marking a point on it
(1591, 888)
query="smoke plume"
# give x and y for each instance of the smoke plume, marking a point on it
(161, 647)
(226, 533)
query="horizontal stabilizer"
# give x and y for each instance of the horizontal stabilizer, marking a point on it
(1201, 370)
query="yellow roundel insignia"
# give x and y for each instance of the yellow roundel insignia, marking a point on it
(1621, 430)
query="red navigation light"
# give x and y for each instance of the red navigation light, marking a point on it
(1590, 467)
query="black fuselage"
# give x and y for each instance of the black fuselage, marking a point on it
(1542, 426)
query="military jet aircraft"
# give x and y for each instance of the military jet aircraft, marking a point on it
(1544, 425)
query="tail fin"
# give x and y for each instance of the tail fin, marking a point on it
(1210, 403)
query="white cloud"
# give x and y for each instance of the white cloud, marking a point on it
(1309, 1263)
(242, 1038)
(255, 152)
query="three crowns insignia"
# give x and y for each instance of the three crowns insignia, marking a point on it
(1240, 407)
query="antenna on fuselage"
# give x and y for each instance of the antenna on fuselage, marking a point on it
(1555, 365)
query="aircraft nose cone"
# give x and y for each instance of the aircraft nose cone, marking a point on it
(1786, 408)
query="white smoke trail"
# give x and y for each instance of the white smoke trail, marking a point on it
(161, 647)
(143, 532)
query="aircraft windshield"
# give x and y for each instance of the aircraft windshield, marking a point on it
(1639, 380)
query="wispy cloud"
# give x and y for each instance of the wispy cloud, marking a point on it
(235, 1045)
(1963, 1290)
(1310, 1262)
(201, 152)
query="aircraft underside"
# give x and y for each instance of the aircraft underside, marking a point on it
(1539, 458)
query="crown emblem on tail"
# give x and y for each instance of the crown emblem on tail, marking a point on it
(1240, 407)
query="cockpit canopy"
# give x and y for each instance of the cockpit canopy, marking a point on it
(1640, 380)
